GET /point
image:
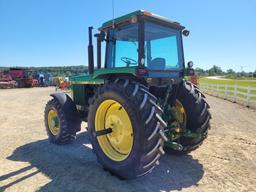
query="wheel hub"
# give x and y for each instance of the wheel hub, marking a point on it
(118, 144)
(53, 122)
(118, 130)
(180, 115)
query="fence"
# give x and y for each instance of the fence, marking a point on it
(234, 93)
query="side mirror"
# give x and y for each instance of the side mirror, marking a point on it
(185, 32)
(190, 64)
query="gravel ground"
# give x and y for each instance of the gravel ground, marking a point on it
(28, 162)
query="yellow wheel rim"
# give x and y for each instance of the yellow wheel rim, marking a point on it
(53, 122)
(180, 114)
(117, 145)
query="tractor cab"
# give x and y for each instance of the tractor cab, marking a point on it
(140, 44)
(144, 41)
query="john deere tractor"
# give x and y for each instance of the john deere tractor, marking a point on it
(135, 100)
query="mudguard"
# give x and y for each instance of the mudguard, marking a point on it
(70, 111)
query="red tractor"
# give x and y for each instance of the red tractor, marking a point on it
(23, 77)
(6, 80)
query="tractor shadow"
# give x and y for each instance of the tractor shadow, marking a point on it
(74, 168)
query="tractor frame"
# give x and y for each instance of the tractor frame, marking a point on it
(149, 83)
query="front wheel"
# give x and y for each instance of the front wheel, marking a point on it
(57, 124)
(126, 128)
(192, 116)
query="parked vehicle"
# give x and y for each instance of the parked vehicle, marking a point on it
(6, 80)
(23, 77)
(137, 103)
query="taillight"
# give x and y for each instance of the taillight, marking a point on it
(142, 71)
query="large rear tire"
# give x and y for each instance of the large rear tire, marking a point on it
(135, 144)
(197, 116)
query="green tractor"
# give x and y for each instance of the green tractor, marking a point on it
(136, 103)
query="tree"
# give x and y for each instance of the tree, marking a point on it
(215, 70)
(231, 72)
(200, 71)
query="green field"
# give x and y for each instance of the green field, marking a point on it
(244, 83)
(231, 82)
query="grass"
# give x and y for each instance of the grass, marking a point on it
(231, 82)
(244, 83)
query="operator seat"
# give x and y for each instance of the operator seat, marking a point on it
(157, 64)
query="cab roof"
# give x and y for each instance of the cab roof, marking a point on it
(129, 16)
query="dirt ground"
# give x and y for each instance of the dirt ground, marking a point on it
(28, 162)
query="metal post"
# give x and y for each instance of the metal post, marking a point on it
(235, 93)
(226, 90)
(248, 97)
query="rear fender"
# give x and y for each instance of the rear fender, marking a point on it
(69, 109)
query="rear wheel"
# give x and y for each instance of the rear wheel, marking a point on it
(192, 114)
(126, 128)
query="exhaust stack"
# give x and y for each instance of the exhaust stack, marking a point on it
(90, 52)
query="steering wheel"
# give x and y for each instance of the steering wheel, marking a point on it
(128, 61)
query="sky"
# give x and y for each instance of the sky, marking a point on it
(54, 32)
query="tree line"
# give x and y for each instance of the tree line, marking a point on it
(217, 71)
(67, 71)
(60, 71)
